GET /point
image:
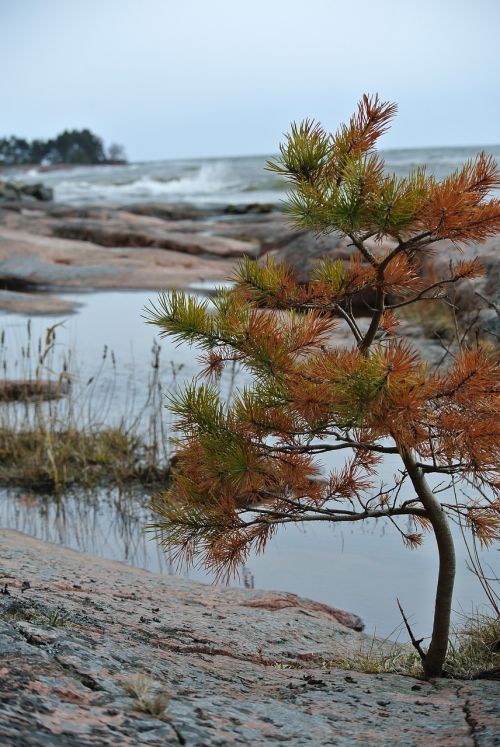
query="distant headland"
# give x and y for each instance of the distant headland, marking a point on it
(70, 147)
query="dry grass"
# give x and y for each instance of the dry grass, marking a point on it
(379, 657)
(474, 650)
(398, 662)
(149, 695)
(55, 459)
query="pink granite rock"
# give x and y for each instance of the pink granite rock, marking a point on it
(96, 653)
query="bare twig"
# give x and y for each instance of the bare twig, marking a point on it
(415, 643)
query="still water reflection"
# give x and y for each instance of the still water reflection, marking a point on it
(362, 568)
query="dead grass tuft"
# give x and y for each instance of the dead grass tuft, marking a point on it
(54, 459)
(149, 695)
(475, 648)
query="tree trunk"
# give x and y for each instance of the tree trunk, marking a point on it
(435, 657)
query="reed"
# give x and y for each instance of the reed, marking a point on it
(59, 428)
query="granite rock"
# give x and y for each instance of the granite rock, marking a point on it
(97, 653)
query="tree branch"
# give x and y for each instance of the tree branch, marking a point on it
(415, 643)
(405, 246)
(364, 344)
(350, 321)
(281, 517)
(358, 243)
(323, 448)
(421, 296)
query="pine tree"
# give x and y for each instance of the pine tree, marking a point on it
(245, 470)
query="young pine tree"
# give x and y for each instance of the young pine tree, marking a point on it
(244, 471)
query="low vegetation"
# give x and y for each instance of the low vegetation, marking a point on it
(28, 610)
(149, 695)
(55, 459)
(58, 431)
(474, 649)
(473, 652)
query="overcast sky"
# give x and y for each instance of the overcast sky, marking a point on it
(189, 78)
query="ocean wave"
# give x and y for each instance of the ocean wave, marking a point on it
(216, 181)
(210, 181)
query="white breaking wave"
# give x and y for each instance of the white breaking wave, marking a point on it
(204, 183)
(211, 177)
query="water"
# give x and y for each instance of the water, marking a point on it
(362, 568)
(215, 181)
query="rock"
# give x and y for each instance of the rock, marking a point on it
(271, 231)
(166, 210)
(12, 390)
(30, 271)
(35, 635)
(40, 303)
(245, 209)
(478, 300)
(127, 657)
(305, 249)
(154, 245)
(183, 211)
(8, 192)
(117, 233)
(20, 192)
(31, 261)
(489, 321)
(39, 191)
(272, 601)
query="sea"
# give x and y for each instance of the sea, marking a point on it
(216, 181)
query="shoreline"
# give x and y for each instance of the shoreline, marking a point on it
(49, 248)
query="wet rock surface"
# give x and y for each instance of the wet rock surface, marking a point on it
(96, 653)
(35, 303)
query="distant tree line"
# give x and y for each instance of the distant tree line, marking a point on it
(70, 146)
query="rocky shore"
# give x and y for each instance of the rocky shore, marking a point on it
(47, 248)
(97, 653)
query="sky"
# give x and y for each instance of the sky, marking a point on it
(198, 78)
